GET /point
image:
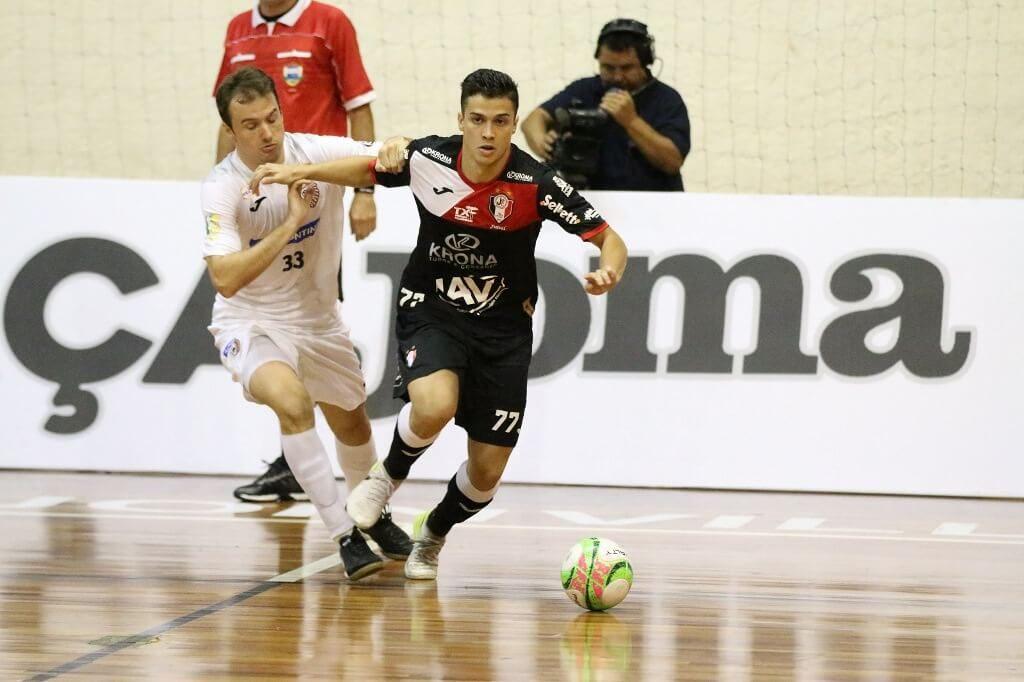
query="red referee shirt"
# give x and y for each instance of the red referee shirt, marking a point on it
(313, 56)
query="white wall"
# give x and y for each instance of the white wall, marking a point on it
(935, 423)
(908, 98)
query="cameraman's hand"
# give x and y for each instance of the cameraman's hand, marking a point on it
(547, 144)
(619, 105)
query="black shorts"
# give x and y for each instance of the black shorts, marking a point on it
(492, 361)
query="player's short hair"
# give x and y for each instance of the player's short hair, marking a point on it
(491, 84)
(243, 86)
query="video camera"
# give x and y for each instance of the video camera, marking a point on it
(575, 152)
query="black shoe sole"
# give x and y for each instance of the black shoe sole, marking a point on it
(368, 569)
(274, 497)
(394, 557)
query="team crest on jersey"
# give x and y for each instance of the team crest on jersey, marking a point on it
(410, 357)
(292, 74)
(311, 193)
(500, 205)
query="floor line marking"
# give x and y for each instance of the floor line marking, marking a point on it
(156, 631)
(41, 502)
(953, 528)
(292, 576)
(749, 533)
(299, 510)
(156, 515)
(801, 523)
(896, 536)
(584, 519)
(312, 568)
(729, 521)
(863, 531)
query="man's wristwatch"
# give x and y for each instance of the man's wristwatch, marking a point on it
(364, 190)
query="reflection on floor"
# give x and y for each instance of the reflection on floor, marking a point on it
(169, 578)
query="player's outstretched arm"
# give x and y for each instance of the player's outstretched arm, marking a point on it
(392, 155)
(230, 272)
(352, 171)
(613, 263)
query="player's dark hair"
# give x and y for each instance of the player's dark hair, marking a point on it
(243, 86)
(491, 84)
(619, 35)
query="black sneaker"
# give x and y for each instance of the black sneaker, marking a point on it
(391, 539)
(358, 558)
(278, 483)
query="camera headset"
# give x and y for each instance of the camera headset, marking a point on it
(645, 46)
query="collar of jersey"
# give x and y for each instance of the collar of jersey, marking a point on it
(478, 185)
(289, 18)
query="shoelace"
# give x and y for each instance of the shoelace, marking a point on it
(431, 548)
(380, 490)
(275, 466)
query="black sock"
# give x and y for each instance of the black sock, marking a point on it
(400, 457)
(454, 508)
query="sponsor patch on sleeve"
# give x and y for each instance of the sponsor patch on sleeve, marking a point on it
(212, 226)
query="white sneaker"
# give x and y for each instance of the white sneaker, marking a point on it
(422, 563)
(366, 502)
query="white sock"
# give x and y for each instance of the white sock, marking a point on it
(309, 463)
(467, 488)
(355, 461)
(406, 433)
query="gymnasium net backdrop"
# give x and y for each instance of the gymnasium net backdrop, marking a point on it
(856, 97)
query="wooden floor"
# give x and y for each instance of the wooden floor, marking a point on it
(153, 577)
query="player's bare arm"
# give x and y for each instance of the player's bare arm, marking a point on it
(613, 263)
(352, 171)
(231, 272)
(392, 155)
(362, 211)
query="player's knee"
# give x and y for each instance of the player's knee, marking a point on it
(487, 477)
(355, 431)
(294, 409)
(431, 413)
(487, 465)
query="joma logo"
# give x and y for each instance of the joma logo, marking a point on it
(920, 345)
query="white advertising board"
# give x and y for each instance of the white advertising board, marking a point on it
(761, 342)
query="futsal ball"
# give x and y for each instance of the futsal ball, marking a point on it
(596, 574)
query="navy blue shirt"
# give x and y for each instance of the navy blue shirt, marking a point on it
(621, 165)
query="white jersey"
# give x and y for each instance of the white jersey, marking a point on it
(300, 288)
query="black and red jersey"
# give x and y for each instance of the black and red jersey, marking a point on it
(475, 250)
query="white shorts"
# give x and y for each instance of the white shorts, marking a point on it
(325, 362)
